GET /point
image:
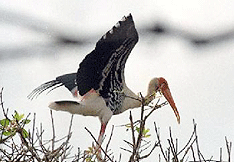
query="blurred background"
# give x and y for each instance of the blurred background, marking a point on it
(190, 43)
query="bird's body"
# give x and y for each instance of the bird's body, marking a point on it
(99, 83)
(92, 104)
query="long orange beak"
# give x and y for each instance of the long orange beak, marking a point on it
(167, 94)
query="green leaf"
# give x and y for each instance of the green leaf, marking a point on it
(145, 131)
(25, 133)
(5, 122)
(148, 135)
(18, 116)
(138, 129)
(26, 121)
(8, 133)
(88, 159)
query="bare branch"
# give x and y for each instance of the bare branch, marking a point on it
(53, 130)
(132, 128)
(159, 141)
(98, 144)
(146, 156)
(186, 144)
(107, 145)
(68, 137)
(172, 146)
(229, 147)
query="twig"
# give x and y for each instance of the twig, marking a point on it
(68, 138)
(196, 137)
(98, 144)
(145, 156)
(136, 145)
(172, 146)
(194, 159)
(229, 146)
(126, 150)
(3, 110)
(33, 130)
(155, 108)
(120, 157)
(53, 130)
(108, 143)
(220, 155)
(187, 150)
(159, 141)
(186, 144)
(168, 153)
(129, 143)
(132, 128)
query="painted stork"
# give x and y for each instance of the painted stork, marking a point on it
(99, 83)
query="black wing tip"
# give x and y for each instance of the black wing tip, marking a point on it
(123, 36)
(129, 17)
(124, 26)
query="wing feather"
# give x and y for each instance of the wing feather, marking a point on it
(113, 46)
(103, 68)
(67, 80)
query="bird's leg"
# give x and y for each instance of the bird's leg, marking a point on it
(101, 134)
(99, 142)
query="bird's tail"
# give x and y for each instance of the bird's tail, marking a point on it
(68, 80)
(72, 107)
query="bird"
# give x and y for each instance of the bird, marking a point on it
(99, 84)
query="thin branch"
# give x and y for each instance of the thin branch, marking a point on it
(220, 155)
(98, 144)
(129, 143)
(229, 147)
(3, 110)
(53, 130)
(196, 137)
(172, 145)
(194, 159)
(159, 141)
(186, 144)
(33, 130)
(108, 143)
(155, 108)
(125, 149)
(187, 150)
(120, 157)
(132, 128)
(146, 156)
(68, 138)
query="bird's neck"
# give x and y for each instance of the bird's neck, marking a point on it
(152, 88)
(131, 100)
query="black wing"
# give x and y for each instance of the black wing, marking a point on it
(107, 61)
(68, 80)
(103, 68)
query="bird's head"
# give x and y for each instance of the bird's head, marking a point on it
(161, 85)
